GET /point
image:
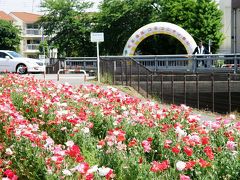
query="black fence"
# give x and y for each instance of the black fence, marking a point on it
(217, 92)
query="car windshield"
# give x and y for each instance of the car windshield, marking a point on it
(14, 54)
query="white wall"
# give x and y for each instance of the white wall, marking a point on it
(226, 7)
(237, 30)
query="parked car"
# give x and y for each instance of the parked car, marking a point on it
(10, 61)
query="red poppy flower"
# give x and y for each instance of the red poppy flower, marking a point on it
(203, 163)
(209, 152)
(132, 143)
(175, 150)
(74, 151)
(120, 137)
(190, 164)
(188, 150)
(157, 166)
(205, 140)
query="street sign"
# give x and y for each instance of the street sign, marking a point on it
(97, 37)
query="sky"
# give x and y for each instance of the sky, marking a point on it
(32, 5)
(29, 5)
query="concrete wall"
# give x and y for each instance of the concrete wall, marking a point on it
(226, 7)
(236, 31)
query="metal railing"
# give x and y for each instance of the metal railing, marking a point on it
(86, 63)
(225, 63)
(191, 63)
(32, 47)
(33, 32)
(217, 92)
(72, 70)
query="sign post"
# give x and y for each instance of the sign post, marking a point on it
(97, 37)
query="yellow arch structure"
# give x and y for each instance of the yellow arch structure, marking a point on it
(159, 28)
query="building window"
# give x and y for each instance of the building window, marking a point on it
(33, 41)
(32, 26)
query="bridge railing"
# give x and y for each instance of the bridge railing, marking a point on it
(228, 63)
(191, 63)
(217, 92)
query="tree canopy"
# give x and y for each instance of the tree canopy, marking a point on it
(120, 19)
(67, 26)
(200, 18)
(9, 36)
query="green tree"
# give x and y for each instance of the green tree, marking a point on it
(43, 48)
(120, 19)
(201, 18)
(9, 36)
(68, 26)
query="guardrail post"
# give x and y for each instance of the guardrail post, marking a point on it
(151, 88)
(235, 64)
(162, 87)
(102, 63)
(184, 90)
(197, 89)
(147, 83)
(59, 73)
(121, 72)
(130, 78)
(172, 79)
(166, 63)
(194, 64)
(107, 70)
(155, 61)
(126, 72)
(72, 70)
(138, 77)
(229, 93)
(114, 71)
(212, 77)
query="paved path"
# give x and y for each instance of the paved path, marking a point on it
(73, 79)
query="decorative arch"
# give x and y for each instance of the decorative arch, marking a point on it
(159, 28)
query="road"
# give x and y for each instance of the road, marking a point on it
(73, 79)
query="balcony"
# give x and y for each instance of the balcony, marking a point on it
(34, 32)
(31, 48)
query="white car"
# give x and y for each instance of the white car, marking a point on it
(10, 61)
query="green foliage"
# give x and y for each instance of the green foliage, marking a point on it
(115, 120)
(120, 19)
(68, 26)
(43, 47)
(9, 36)
(28, 161)
(101, 125)
(201, 18)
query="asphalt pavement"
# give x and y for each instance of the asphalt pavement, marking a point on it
(73, 79)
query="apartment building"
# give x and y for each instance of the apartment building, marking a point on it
(231, 26)
(30, 32)
(235, 26)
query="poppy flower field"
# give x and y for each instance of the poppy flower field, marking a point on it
(57, 131)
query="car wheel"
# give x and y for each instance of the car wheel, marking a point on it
(21, 69)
